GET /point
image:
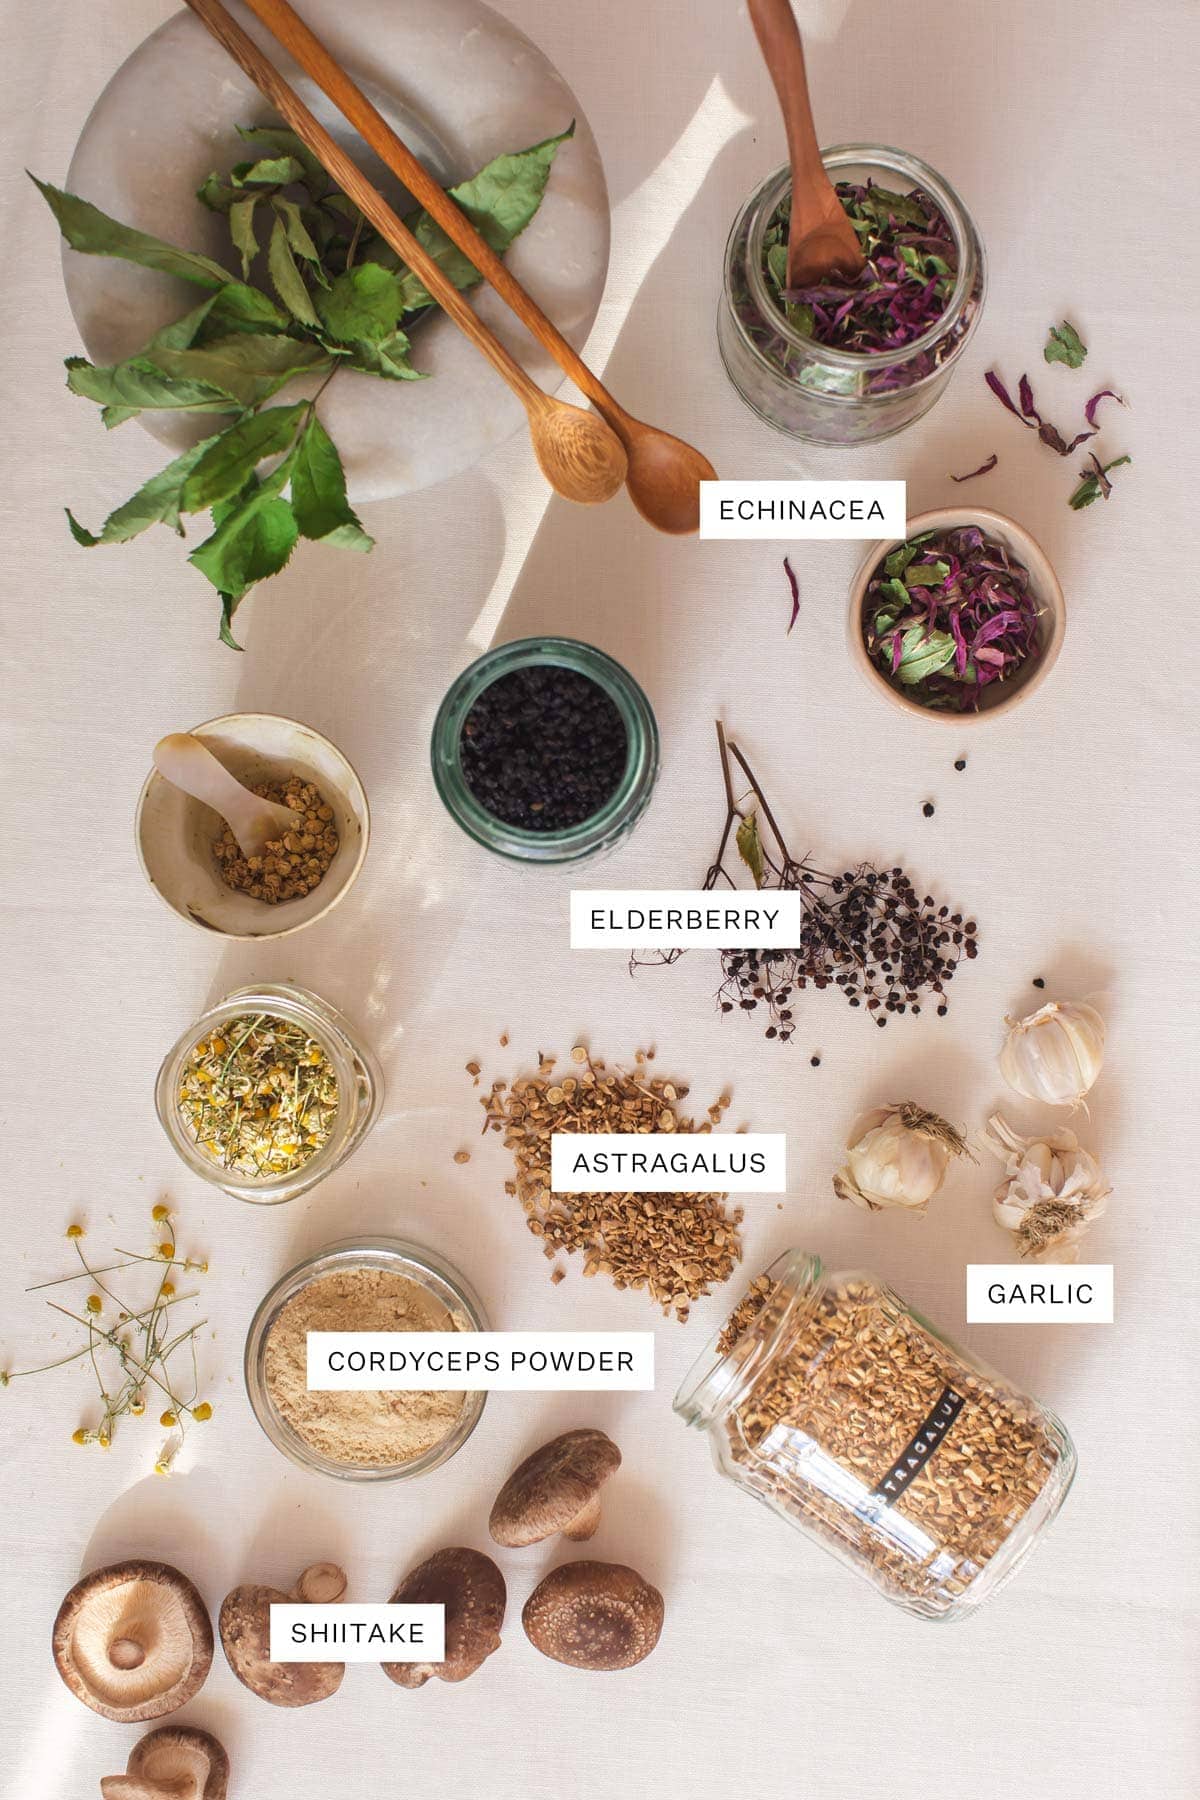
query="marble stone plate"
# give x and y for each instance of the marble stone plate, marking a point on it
(460, 85)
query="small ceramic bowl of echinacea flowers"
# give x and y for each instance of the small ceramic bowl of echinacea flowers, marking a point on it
(960, 619)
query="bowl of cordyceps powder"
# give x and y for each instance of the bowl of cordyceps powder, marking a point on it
(360, 1434)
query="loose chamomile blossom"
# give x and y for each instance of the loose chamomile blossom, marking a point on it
(133, 1346)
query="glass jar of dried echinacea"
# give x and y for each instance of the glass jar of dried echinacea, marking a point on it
(268, 1092)
(545, 750)
(847, 1413)
(850, 362)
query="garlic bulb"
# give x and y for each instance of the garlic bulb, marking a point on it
(1051, 1192)
(1055, 1054)
(897, 1156)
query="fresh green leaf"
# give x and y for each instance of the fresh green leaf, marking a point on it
(93, 233)
(777, 264)
(388, 358)
(923, 654)
(749, 848)
(502, 199)
(272, 171)
(363, 305)
(182, 334)
(140, 385)
(228, 607)
(896, 592)
(926, 574)
(246, 366)
(251, 542)
(298, 235)
(281, 142)
(157, 502)
(287, 279)
(215, 194)
(248, 309)
(499, 201)
(241, 230)
(232, 458)
(112, 416)
(1065, 345)
(319, 492)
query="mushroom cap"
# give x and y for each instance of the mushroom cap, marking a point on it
(133, 1640)
(245, 1626)
(177, 1760)
(471, 1588)
(555, 1487)
(594, 1615)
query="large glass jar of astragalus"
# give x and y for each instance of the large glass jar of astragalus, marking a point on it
(268, 1092)
(848, 1414)
(818, 390)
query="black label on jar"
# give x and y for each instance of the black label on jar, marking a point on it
(924, 1442)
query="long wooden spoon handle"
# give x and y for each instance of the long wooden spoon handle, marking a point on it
(778, 37)
(290, 30)
(368, 199)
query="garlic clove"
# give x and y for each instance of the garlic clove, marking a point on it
(1054, 1054)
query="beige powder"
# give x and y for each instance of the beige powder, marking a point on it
(370, 1427)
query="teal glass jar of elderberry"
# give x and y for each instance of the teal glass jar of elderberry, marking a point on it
(545, 750)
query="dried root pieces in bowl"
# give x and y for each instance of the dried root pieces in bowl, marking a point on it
(676, 1247)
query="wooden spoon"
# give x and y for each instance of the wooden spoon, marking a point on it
(579, 455)
(664, 473)
(187, 763)
(821, 241)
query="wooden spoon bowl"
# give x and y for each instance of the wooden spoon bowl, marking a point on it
(580, 456)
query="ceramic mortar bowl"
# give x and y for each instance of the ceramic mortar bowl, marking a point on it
(175, 834)
(999, 696)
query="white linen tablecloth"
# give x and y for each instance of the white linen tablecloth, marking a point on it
(1070, 130)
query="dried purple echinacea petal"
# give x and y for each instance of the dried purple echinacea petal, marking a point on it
(1029, 415)
(985, 468)
(795, 587)
(1105, 394)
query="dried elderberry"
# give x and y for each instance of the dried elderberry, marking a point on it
(543, 748)
(866, 931)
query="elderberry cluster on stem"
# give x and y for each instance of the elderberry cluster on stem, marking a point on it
(866, 932)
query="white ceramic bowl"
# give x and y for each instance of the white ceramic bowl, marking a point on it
(175, 834)
(460, 84)
(999, 696)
